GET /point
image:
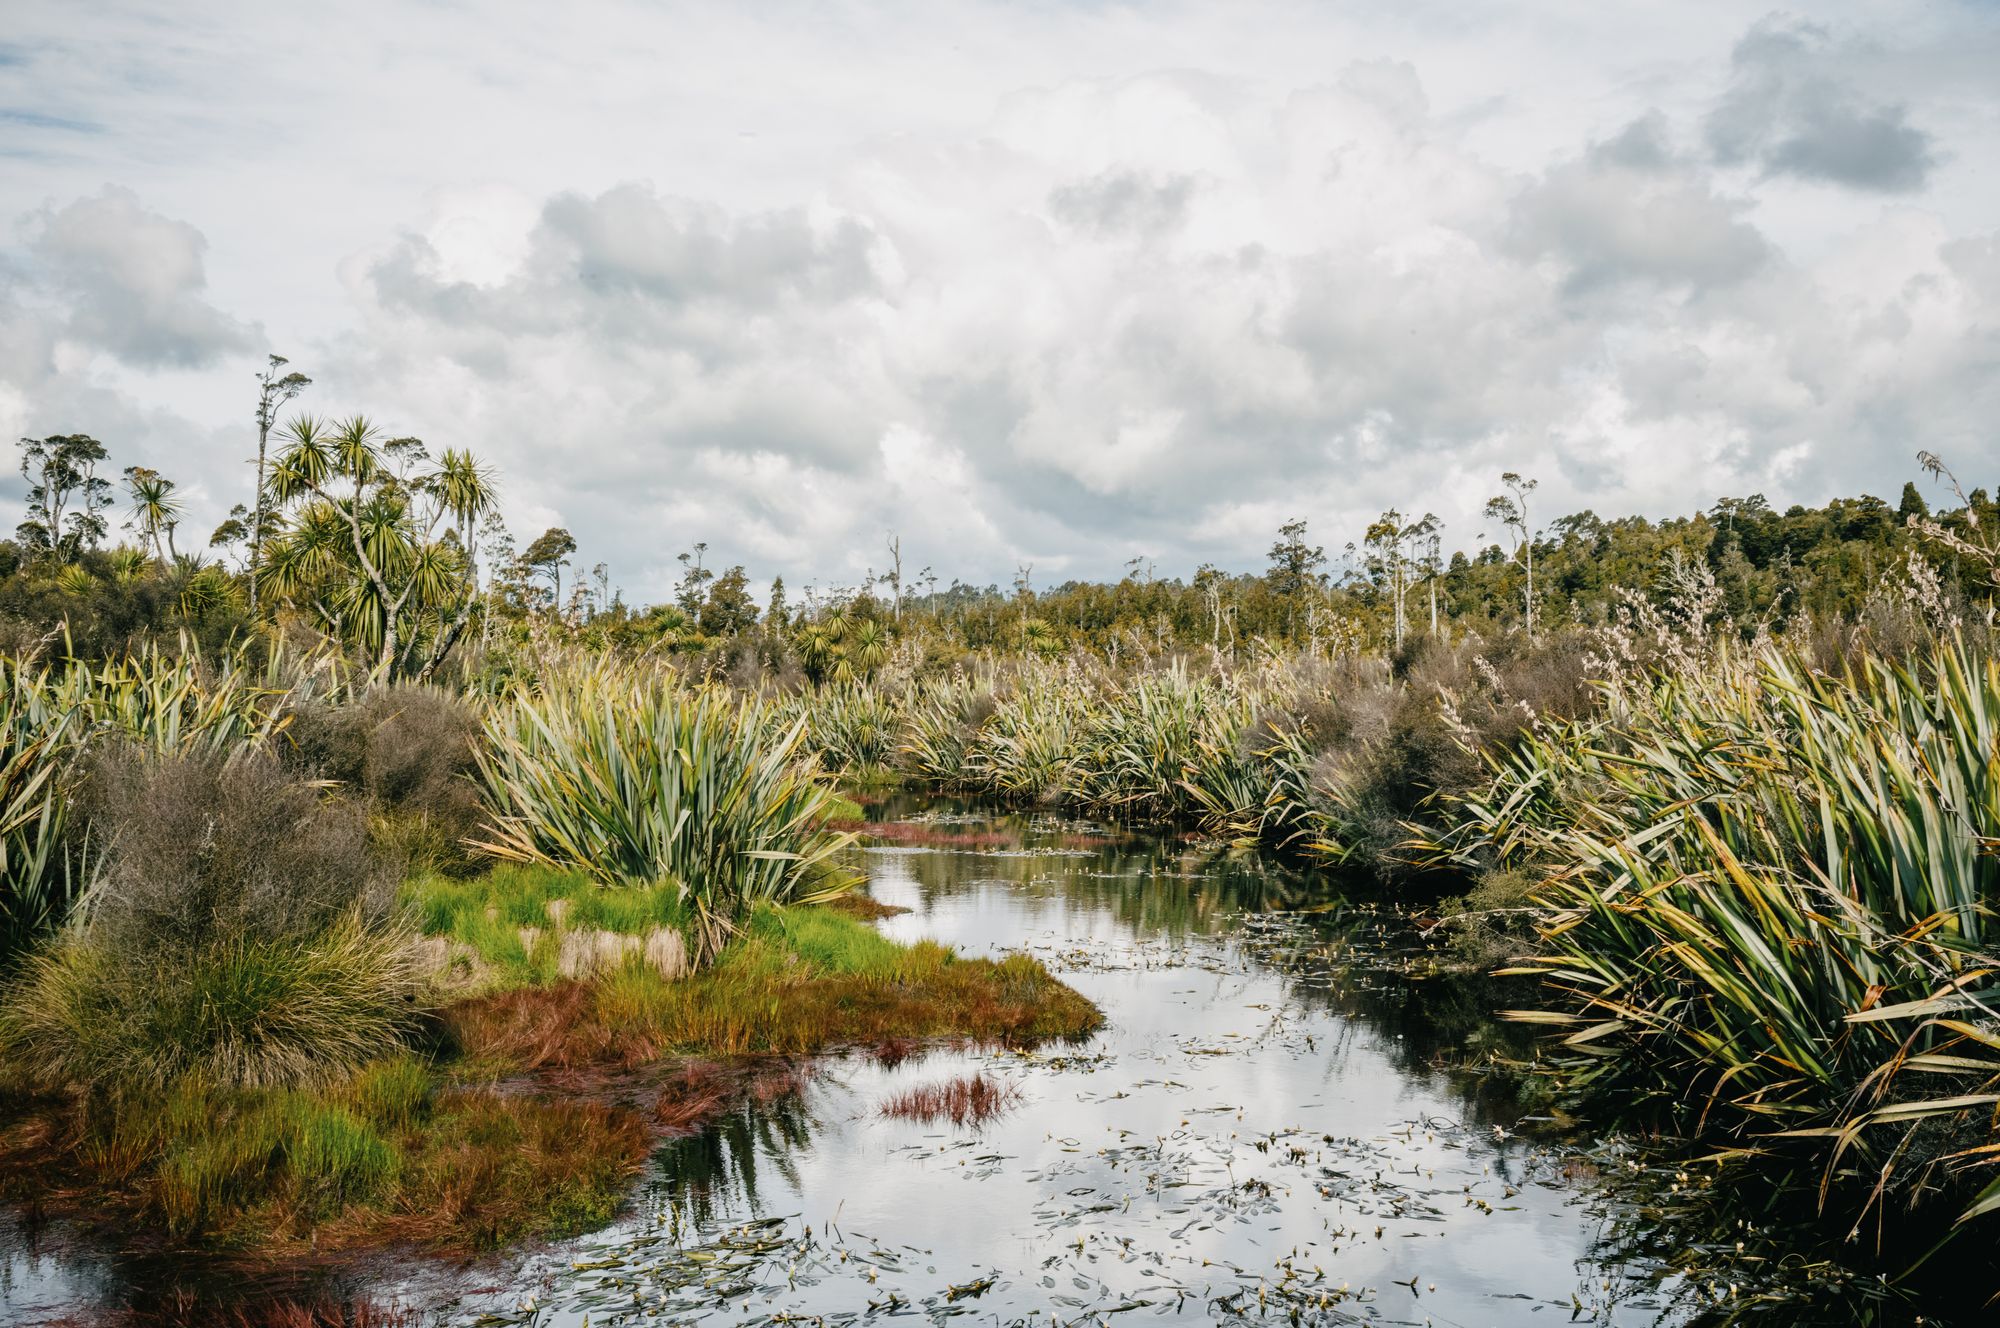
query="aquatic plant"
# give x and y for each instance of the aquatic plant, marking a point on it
(638, 781)
(969, 1099)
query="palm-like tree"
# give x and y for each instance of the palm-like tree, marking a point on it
(378, 539)
(155, 510)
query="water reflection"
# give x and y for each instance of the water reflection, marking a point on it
(714, 1171)
(1295, 1114)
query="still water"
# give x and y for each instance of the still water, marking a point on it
(1285, 1120)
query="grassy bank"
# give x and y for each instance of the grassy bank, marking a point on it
(247, 1037)
(481, 1138)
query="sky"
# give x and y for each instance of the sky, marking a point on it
(1024, 284)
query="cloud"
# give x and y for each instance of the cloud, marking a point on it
(1630, 210)
(131, 282)
(1155, 294)
(1791, 109)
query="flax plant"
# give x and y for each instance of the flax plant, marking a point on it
(1770, 901)
(638, 781)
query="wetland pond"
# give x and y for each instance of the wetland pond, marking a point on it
(1282, 1121)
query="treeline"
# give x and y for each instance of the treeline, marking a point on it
(400, 558)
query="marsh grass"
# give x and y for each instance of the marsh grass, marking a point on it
(1770, 910)
(537, 925)
(244, 1011)
(797, 981)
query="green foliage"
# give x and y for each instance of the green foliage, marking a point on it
(639, 781)
(237, 1011)
(848, 727)
(235, 933)
(1772, 898)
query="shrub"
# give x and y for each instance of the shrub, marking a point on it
(409, 752)
(638, 781)
(237, 934)
(201, 848)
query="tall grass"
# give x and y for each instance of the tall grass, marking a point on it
(243, 1011)
(638, 781)
(847, 727)
(941, 730)
(1771, 900)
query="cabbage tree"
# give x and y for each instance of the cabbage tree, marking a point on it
(375, 541)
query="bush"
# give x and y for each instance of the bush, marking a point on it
(238, 935)
(638, 781)
(201, 848)
(408, 751)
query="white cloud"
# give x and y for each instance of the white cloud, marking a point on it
(130, 282)
(1101, 282)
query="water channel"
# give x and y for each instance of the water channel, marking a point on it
(1288, 1118)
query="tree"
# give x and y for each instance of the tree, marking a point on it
(1208, 583)
(1295, 565)
(893, 578)
(694, 578)
(273, 391)
(728, 608)
(1912, 508)
(776, 615)
(1511, 510)
(548, 555)
(378, 544)
(155, 511)
(498, 542)
(1391, 543)
(66, 495)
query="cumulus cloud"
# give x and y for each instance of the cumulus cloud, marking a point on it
(131, 282)
(1187, 283)
(1629, 210)
(1791, 109)
(1146, 315)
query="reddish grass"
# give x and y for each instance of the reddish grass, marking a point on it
(697, 1092)
(971, 1099)
(891, 1052)
(188, 1310)
(573, 1026)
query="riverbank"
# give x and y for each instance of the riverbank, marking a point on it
(536, 1097)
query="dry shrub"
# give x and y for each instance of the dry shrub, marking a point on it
(201, 848)
(408, 752)
(971, 1099)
